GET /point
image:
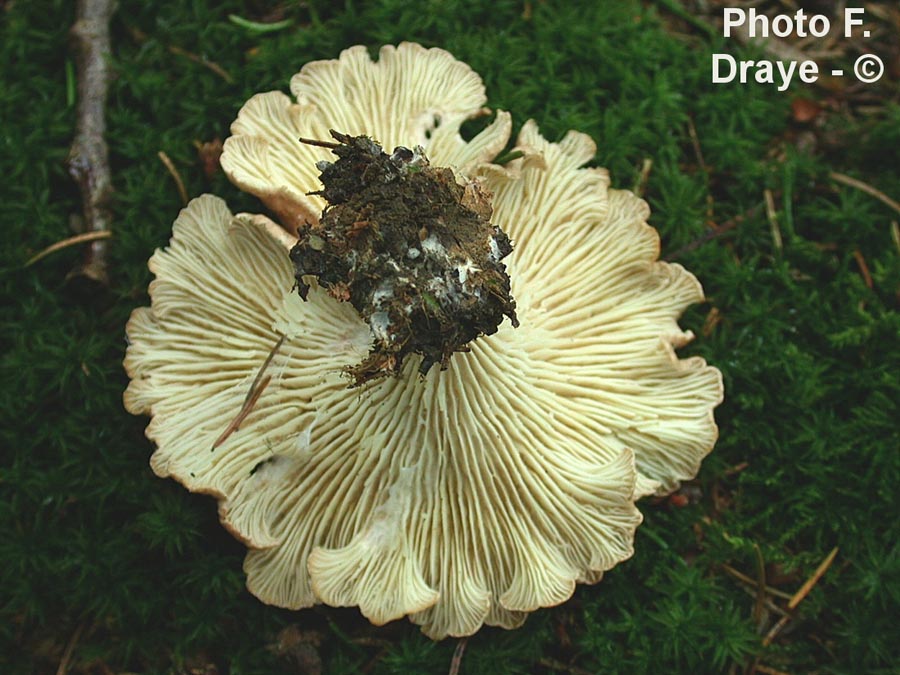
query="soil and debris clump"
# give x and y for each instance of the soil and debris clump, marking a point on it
(412, 250)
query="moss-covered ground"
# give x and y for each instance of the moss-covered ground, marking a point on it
(105, 569)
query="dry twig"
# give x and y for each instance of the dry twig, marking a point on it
(63, 667)
(863, 268)
(740, 576)
(206, 63)
(141, 37)
(320, 144)
(65, 243)
(641, 184)
(760, 603)
(799, 596)
(170, 167)
(713, 319)
(865, 187)
(768, 602)
(695, 142)
(456, 661)
(256, 390)
(88, 160)
(737, 468)
(714, 233)
(772, 215)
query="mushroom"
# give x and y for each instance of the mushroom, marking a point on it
(463, 497)
(410, 96)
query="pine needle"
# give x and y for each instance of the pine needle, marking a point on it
(456, 661)
(70, 649)
(865, 187)
(728, 569)
(800, 595)
(211, 65)
(253, 394)
(258, 27)
(772, 215)
(164, 158)
(863, 268)
(71, 241)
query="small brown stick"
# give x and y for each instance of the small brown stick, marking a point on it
(698, 153)
(641, 185)
(770, 604)
(63, 667)
(714, 233)
(71, 241)
(760, 603)
(737, 468)
(456, 661)
(319, 144)
(164, 158)
(740, 576)
(808, 585)
(772, 215)
(265, 365)
(526, 11)
(799, 596)
(140, 37)
(895, 234)
(246, 409)
(713, 319)
(863, 267)
(865, 187)
(695, 141)
(256, 389)
(88, 160)
(212, 65)
(767, 670)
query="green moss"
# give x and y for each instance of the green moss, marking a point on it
(808, 350)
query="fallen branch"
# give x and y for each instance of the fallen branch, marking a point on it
(88, 160)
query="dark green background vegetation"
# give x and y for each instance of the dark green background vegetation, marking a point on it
(140, 573)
